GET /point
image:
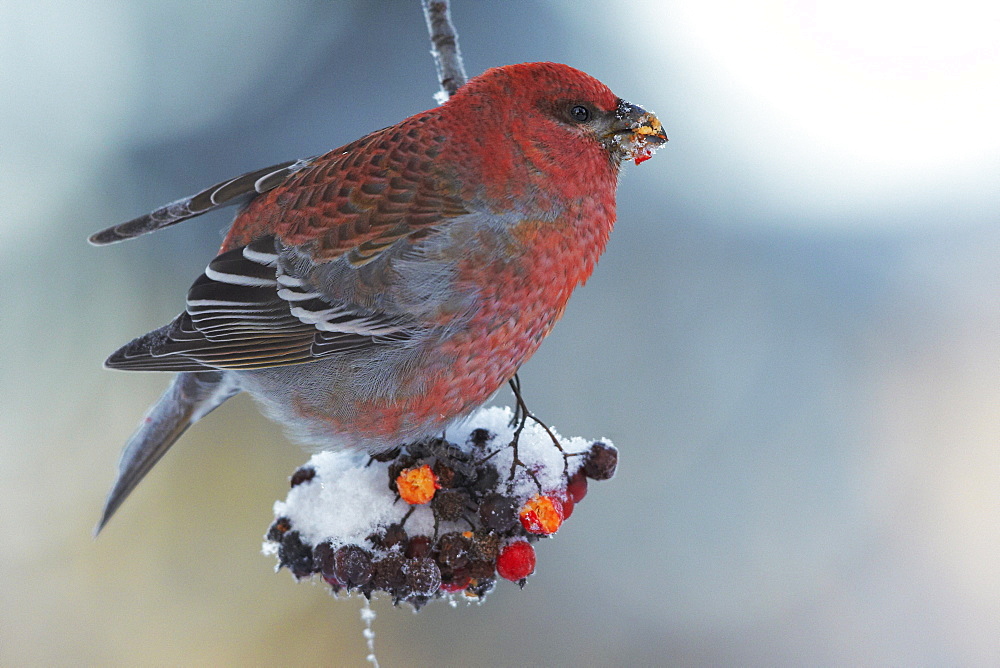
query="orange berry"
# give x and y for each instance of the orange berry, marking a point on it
(542, 515)
(417, 485)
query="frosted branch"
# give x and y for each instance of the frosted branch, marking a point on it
(444, 48)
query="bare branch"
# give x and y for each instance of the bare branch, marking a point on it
(444, 48)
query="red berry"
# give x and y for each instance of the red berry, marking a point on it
(516, 561)
(577, 486)
(567, 506)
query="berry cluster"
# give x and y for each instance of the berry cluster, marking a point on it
(461, 517)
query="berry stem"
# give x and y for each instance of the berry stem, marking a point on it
(521, 415)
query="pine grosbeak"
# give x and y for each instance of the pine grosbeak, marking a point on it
(372, 295)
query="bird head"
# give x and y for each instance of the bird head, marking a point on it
(542, 105)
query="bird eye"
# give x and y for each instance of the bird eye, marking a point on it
(580, 113)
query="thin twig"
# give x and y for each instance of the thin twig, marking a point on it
(444, 48)
(521, 417)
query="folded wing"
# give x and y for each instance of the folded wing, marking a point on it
(244, 313)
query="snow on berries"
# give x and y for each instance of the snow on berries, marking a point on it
(443, 517)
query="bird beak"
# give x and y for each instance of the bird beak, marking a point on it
(637, 132)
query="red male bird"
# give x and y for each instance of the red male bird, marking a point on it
(370, 296)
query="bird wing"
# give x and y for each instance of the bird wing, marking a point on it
(308, 268)
(244, 313)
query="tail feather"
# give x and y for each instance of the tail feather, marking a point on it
(227, 193)
(190, 397)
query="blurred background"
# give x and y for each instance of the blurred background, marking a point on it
(793, 338)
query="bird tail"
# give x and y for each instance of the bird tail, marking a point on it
(190, 397)
(234, 191)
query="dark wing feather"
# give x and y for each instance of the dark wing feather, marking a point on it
(240, 317)
(220, 195)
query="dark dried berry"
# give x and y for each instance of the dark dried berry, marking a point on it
(456, 582)
(446, 475)
(601, 462)
(480, 437)
(398, 467)
(423, 576)
(486, 545)
(388, 573)
(295, 555)
(453, 550)
(418, 547)
(498, 512)
(279, 529)
(482, 587)
(418, 601)
(352, 564)
(481, 568)
(323, 559)
(430, 447)
(334, 583)
(450, 504)
(486, 480)
(394, 535)
(387, 456)
(304, 474)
